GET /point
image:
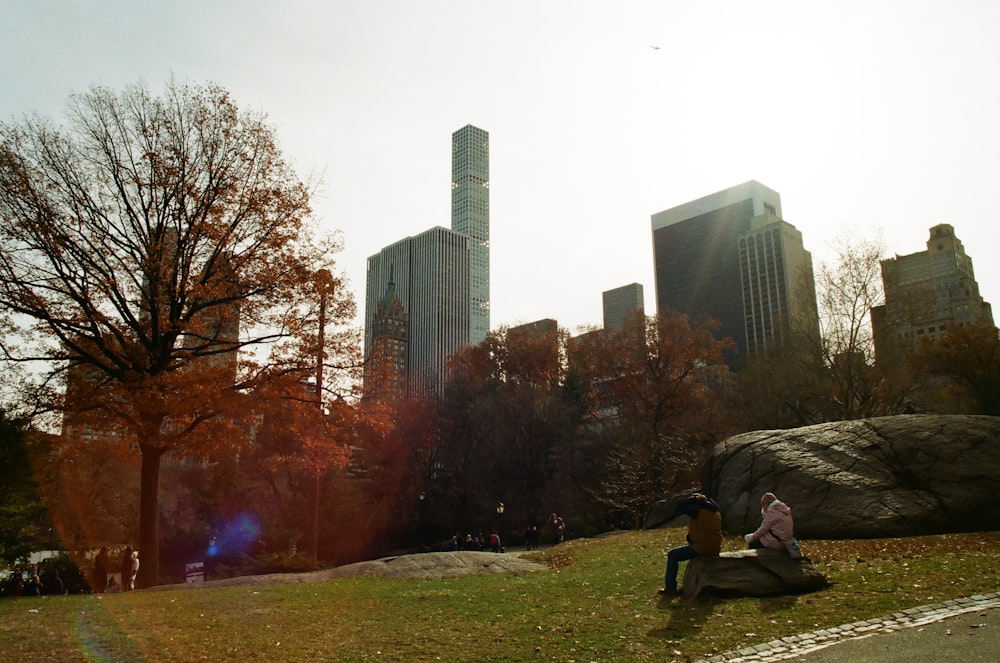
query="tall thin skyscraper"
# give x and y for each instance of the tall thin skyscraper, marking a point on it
(730, 256)
(470, 214)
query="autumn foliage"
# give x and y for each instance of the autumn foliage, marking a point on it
(158, 263)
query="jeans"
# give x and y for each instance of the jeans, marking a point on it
(674, 558)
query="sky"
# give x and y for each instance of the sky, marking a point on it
(871, 118)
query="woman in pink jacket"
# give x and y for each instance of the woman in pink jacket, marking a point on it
(775, 527)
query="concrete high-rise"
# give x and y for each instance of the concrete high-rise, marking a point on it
(731, 256)
(618, 303)
(926, 293)
(470, 214)
(430, 273)
(440, 277)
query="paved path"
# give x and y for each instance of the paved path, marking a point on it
(966, 629)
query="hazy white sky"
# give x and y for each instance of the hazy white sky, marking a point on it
(862, 114)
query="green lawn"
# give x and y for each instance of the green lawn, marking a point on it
(597, 603)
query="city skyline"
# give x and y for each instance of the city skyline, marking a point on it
(443, 276)
(863, 116)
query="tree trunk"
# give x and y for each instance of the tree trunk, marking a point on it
(149, 518)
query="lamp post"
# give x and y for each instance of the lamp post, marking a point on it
(500, 518)
(423, 499)
(324, 284)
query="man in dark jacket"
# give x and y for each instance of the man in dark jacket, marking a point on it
(704, 537)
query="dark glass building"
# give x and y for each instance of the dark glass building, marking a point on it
(731, 256)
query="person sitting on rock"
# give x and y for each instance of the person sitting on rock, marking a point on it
(776, 525)
(704, 537)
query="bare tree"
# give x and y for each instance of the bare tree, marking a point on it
(145, 246)
(848, 288)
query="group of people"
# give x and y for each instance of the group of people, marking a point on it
(477, 541)
(704, 534)
(33, 581)
(128, 567)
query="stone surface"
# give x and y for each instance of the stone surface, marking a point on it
(667, 513)
(896, 476)
(762, 572)
(422, 565)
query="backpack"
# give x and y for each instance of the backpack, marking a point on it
(791, 546)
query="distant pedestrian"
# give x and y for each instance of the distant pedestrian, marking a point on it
(134, 570)
(102, 567)
(531, 538)
(558, 527)
(54, 585)
(32, 582)
(495, 542)
(125, 569)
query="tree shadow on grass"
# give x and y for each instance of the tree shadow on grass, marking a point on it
(685, 617)
(772, 604)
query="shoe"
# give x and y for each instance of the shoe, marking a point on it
(669, 592)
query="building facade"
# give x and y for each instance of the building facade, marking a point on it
(470, 214)
(926, 293)
(732, 257)
(430, 277)
(618, 303)
(385, 372)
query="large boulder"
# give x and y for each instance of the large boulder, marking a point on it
(667, 513)
(896, 476)
(762, 572)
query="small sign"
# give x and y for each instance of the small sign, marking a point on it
(194, 572)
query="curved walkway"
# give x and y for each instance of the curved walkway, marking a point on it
(809, 646)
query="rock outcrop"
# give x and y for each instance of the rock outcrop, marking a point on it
(884, 477)
(667, 513)
(761, 572)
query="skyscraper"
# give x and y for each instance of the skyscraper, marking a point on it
(731, 256)
(926, 293)
(385, 372)
(470, 214)
(430, 273)
(618, 303)
(440, 277)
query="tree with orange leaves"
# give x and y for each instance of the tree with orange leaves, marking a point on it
(158, 265)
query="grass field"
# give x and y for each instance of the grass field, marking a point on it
(597, 602)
